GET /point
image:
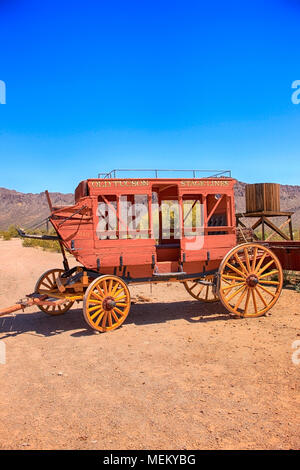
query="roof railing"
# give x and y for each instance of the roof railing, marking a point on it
(156, 172)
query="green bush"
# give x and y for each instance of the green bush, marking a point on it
(6, 236)
(46, 245)
(10, 233)
(49, 245)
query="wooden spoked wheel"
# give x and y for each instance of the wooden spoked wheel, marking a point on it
(47, 285)
(202, 292)
(250, 280)
(106, 303)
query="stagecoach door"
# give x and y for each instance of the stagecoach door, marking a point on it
(166, 222)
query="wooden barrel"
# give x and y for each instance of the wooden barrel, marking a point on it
(263, 197)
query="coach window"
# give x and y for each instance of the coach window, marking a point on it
(192, 215)
(134, 216)
(216, 213)
(107, 227)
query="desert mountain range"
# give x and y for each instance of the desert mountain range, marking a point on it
(25, 209)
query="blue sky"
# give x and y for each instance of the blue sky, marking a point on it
(96, 85)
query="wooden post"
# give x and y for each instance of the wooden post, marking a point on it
(263, 227)
(118, 217)
(150, 221)
(204, 200)
(160, 218)
(291, 228)
(49, 201)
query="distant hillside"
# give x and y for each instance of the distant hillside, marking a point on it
(26, 209)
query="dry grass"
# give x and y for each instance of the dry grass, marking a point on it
(46, 245)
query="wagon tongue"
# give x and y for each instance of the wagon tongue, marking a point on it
(29, 301)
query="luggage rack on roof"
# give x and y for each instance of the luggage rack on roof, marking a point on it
(211, 173)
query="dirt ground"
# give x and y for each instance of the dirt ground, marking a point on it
(179, 374)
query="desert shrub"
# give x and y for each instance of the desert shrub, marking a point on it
(296, 234)
(10, 233)
(276, 237)
(291, 279)
(6, 236)
(46, 245)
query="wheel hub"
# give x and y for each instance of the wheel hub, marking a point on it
(252, 280)
(109, 303)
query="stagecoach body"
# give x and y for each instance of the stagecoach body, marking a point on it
(166, 239)
(137, 230)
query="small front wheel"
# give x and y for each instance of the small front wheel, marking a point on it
(106, 303)
(46, 284)
(202, 292)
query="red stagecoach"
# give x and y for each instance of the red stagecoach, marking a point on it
(140, 230)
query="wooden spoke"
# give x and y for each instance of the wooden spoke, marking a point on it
(110, 285)
(102, 317)
(100, 310)
(97, 295)
(232, 286)
(104, 285)
(271, 273)
(271, 283)
(194, 285)
(98, 302)
(236, 270)
(247, 301)
(239, 301)
(261, 297)
(114, 315)
(235, 293)
(118, 293)
(266, 290)
(117, 299)
(113, 303)
(254, 258)
(199, 291)
(114, 289)
(259, 273)
(96, 307)
(109, 318)
(104, 320)
(246, 287)
(202, 292)
(240, 262)
(260, 262)
(116, 309)
(100, 291)
(206, 294)
(53, 278)
(46, 284)
(254, 300)
(246, 254)
(226, 276)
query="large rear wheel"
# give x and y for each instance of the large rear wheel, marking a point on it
(250, 280)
